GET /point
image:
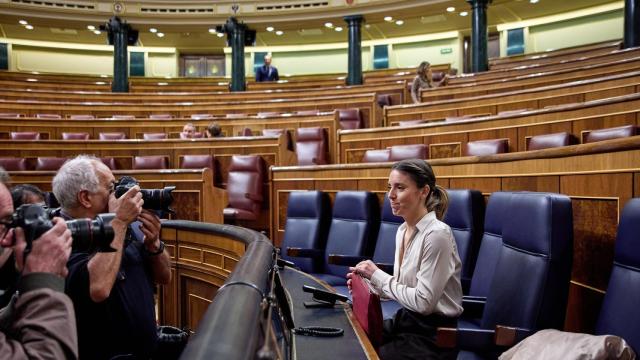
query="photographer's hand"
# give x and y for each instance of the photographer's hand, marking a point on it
(128, 206)
(49, 253)
(151, 229)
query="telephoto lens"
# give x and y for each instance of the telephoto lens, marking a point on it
(92, 235)
(154, 199)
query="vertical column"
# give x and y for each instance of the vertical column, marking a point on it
(354, 75)
(118, 32)
(479, 55)
(631, 23)
(235, 36)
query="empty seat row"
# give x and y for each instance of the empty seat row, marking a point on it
(54, 163)
(500, 146)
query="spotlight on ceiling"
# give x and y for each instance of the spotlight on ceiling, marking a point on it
(464, 13)
(23, 22)
(279, 32)
(328, 24)
(153, 30)
(270, 28)
(338, 28)
(388, 18)
(399, 22)
(451, 9)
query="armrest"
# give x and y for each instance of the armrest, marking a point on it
(509, 336)
(467, 339)
(304, 253)
(388, 268)
(345, 260)
(254, 197)
(473, 306)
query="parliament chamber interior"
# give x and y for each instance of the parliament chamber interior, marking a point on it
(530, 121)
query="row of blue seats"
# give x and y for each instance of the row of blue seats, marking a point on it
(517, 266)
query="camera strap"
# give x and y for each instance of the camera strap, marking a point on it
(319, 331)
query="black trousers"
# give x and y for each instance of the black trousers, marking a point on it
(409, 335)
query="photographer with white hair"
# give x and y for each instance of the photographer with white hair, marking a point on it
(112, 292)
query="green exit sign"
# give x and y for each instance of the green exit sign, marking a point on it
(446, 50)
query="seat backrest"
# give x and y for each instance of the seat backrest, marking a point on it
(49, 163)
(490, 244)
(610, 133)
(547, 141)
(465, 217)
(160, 116)
(245, 181)
(246, 132)
(154, 136)
(486, 147)
(75, 136)
(307, 226)
(150, 162)
(376, 156)
(25, 135)
(437, 76)
(196, 162)
(265, 114)
(350, 118)
(13, 164)
(384, 100)
(112, 136)
(386, 241)
(10, 115)
(354, 227)
(411, 122)
(530, 285)
(619, 314)
(48, 116)
(235, 116)
(403, 152)
(311, 146)
(110, 162)
(278, 132)
(201, 116)
(81, 117)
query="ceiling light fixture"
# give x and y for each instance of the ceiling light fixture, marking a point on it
(160, 34)
(388, 18)
(270, 28)
(28, 27)
(220, 34)
(338, 28)
(464, 13)
(451, 9)
(153, 30)
(97, 32)
(279, 32)
(212, 31)
(533, 1)
(328, 24)
(23, 22)
(399, 22)
(91, 27)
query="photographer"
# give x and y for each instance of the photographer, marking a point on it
(39, 322)
(112, 292)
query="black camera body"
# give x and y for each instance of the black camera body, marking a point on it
(88, 235)
(154, 199)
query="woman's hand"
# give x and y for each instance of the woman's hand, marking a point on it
(364, 268)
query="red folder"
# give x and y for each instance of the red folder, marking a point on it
(367, 309)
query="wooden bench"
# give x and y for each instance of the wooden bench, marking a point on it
(447, 138)
(195, 197)
(599, 177)
(534, 98)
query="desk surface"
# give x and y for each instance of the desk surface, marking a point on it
(352, 345)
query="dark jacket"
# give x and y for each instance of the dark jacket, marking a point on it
(265, 73)
(40, 322)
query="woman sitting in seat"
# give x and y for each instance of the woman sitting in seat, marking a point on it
(424, 80)
(426, 274)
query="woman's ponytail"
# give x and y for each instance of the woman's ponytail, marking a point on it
(438, 201)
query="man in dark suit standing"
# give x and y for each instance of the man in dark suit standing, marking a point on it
(267, 72)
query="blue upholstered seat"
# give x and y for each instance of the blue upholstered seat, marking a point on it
(465, 216)
(529, 286)
(308, 219)
(354, 226)
(619, 314)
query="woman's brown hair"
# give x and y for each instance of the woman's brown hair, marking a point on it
(422, 174)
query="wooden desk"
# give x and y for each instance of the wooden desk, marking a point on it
(599, 177)
(195, 197)
(447, 138)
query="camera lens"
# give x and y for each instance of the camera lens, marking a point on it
(92, 235)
